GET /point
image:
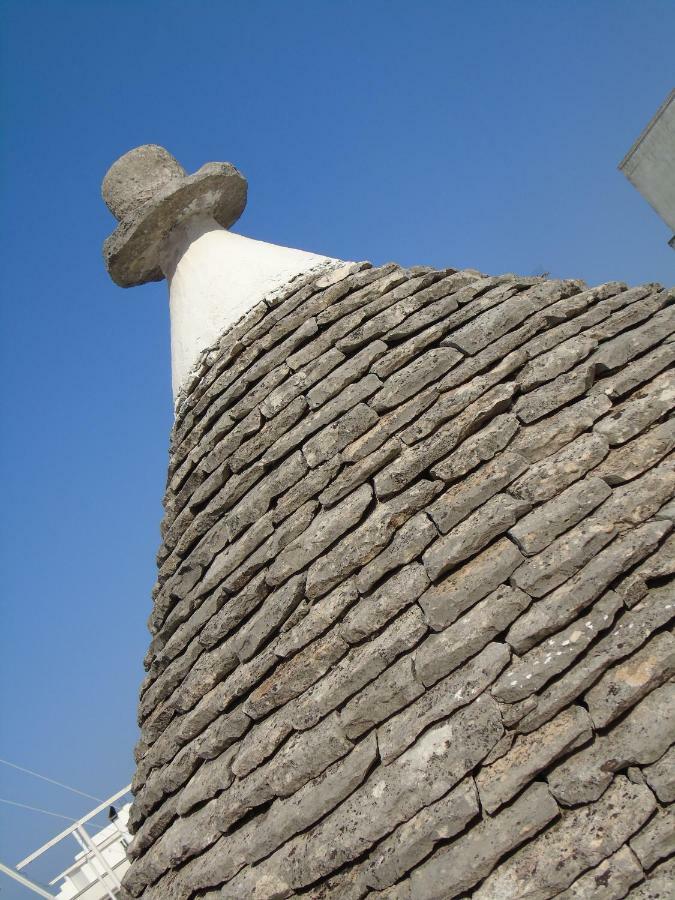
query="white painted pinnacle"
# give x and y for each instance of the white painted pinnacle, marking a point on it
(215, 277)
(175, 225)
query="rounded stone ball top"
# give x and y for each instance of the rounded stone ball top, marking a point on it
(149, 192)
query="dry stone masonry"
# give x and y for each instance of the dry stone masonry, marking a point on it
(412, 627)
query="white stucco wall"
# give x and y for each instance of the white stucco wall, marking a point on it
(650, 163)
(216, 276)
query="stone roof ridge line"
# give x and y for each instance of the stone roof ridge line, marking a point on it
(176, 226)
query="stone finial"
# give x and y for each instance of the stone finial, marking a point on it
(149, 192)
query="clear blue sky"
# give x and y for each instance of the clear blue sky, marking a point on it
(481, 134)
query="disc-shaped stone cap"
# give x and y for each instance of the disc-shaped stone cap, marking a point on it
(148, 190)
(137, 176)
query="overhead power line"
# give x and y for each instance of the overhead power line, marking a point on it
(47, 812)
(67, 787)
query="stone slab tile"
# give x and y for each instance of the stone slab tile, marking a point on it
(455, 869)
(611, 880)
(530, 754)
(456, 690)
(444, 651)
(660, 776)
(444, 602)
(641, 737)
(656, 841)
(623, 685)
(580, 840)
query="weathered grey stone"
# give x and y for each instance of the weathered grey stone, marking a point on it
(623, 685)
(234, 611)
(616, 353)
(411, 379)
(416, 459)
(151, 829)
(544, 524)
(382, 316)
(560, 607)
(462, 498)
(423, 774)
(394, 688)
(442, 652)
(407, 544)
(269, 550)
(339, 434)
(530, 754)
(633, 503)
(221, 734)
(399, 355)
(637, 372)
(388, 425)
(553, 474)
(355, 474)
(391, 278)
(349, 371)
(477, 449)
(561, 359)
(495, 517)
(456, 690)
(658, 884)
(661, 563)
(452, 402)
(633, 458)
(303, 757)
(286, 817)
(211, 667)
(624, 319)
(494, 323)
(444, 602)
(185, 838)
(150, 193)
(565, 556)
(656, 841)
(361, 665)
(554, 394)
(611, 880)
(265, 622)
(641, 737)
(271, 432)
(261, 742)
(634, 416)
(305, 489)
(324, 530)
(660, 776)
(557, 653)
(300, 382)
(366, 541)
(213, 776)
(581, 839)
(633, 630)
(455, 869)
(374, 611)
(257, 501)
(301, 328)
(547, 437)
(295, 675)
(329, 412)
(234, 554)
(318, 619)
(412, 841)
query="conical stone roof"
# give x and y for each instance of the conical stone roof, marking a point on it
(410, 634)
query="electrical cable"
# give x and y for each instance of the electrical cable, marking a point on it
(37, 809)
(50, 780)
